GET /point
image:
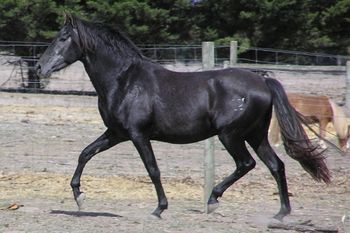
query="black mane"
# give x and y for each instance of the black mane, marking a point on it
(91, 35)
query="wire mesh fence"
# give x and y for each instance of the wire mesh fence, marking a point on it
(82, 117)
(17, 60)
(193, 53)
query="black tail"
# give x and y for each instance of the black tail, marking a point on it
(295, 140)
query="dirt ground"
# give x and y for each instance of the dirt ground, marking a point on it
(41, 137)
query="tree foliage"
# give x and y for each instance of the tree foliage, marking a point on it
(309, 25)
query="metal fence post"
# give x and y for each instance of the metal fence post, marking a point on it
(209, 163)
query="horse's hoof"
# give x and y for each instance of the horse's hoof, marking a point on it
(280, 216)
(156, 216)
(212, 207)
(156, 213)
(80, 200)
(273, 222)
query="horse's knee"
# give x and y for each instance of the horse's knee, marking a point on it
(85, 156)
(154, 173)
(246, 166)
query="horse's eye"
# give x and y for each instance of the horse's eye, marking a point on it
(63, 38)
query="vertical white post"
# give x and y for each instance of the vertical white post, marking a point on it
(209, 162)
(233, 53)
(347, 93)
(208, 55)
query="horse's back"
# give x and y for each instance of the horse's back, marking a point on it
(311, 105)
(201, 104)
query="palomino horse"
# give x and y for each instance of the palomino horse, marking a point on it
(316, 109)
(140, 100)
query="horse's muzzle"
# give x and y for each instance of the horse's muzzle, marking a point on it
(41, 71)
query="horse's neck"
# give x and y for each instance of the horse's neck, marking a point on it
(105, 72)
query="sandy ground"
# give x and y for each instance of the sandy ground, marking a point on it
(41, 137)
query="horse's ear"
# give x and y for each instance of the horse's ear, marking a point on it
(69, 19)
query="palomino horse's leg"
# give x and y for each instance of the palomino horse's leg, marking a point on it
(274, 131)
(144, 147)
(276, 167)
(323, 127)
(244, 163)
(104, 142)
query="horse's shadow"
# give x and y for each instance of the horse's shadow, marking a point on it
(85, 214)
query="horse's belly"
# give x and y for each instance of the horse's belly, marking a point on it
(182, 132)
(183, 138)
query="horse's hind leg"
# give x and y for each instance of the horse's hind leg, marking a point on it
(276, 167)
(104, 142)
(244, 163)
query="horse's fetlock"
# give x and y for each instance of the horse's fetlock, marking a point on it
(164, 206)
(74, 184)
(216, 193)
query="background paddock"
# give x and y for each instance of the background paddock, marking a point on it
(42, 135)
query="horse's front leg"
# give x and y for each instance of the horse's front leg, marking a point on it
(104, 142)
(143, 146)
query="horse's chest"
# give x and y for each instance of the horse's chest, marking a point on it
(124, 116)
(109, 116)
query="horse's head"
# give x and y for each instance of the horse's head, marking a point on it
(63, 51)
(345, 140)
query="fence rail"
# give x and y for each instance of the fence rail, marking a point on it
(169, 53)
(192, 53)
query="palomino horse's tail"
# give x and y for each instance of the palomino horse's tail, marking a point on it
(295, 140)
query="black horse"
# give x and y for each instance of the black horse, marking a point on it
(140, 101)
